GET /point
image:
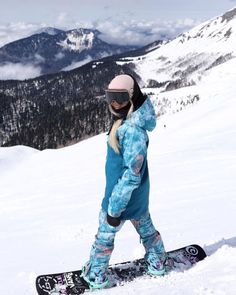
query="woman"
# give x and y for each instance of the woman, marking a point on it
(127, 181)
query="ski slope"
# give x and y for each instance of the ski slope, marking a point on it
(49, 200)
(184, 60)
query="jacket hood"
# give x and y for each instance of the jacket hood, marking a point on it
(144, 116)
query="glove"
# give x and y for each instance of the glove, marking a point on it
(113, 221)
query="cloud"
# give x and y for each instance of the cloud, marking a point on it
(39, 59)
(141, 32)
(14, 31)
(18, 71)
(59, 56)
(77, 64)
(129, 32)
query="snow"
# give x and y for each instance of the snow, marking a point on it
(78, 64)
(190, 54)
(76, 42)
(49, 200)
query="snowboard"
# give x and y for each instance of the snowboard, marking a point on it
(71, 283)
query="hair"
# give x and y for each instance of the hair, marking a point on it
(113, 140)
(128, 82)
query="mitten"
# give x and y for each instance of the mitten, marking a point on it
(113, 221)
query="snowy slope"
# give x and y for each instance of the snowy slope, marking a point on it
(49, 200)
(185, 59)
(78, 43)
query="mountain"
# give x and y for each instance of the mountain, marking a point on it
(55, 50)
(59, 109)
(136, 52)
(49, 200)
(49, 30)
(56, 110)
(184, 60)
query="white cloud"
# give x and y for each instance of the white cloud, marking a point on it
(39, 58)
(140, 32)
(131, 32)
(59, 56)
(14, 31)
(18, 71)
(78, 64)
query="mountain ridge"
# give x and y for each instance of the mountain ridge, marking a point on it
(55, 52)
(76, 97)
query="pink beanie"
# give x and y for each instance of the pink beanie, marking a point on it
(122, 82)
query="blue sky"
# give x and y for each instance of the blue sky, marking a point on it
(120, 21)
(91, 10)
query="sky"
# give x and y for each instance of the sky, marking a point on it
(121, 21)
(60, 11)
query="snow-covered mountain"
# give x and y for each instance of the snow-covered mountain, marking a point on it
(49, 200)
(184, 60)
(78, 95)
(48, 30)
(54, 50)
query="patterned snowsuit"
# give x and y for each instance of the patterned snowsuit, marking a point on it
(127, 190)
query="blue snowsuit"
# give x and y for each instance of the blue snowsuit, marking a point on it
(127, 189)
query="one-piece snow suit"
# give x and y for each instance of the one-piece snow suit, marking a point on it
(127, 191)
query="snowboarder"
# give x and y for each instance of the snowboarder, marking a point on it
(127, 181)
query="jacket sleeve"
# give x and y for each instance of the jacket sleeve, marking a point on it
(134, 150)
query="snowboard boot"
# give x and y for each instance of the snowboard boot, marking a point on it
(155, 264)
(95, 279)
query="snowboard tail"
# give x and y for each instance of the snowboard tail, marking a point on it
(71, 283)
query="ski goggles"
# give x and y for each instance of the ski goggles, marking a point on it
(120, 96)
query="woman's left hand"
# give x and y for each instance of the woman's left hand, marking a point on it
(113, 221)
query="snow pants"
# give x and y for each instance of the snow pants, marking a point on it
(104, 241)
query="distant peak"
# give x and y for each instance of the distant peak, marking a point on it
(49, 30)
(82, 31)
(79, 39)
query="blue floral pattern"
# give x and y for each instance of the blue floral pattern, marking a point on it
(127, 195)
(127, 190)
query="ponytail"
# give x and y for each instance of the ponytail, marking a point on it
(113, 140)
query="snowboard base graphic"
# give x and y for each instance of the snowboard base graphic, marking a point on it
(71, 283)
